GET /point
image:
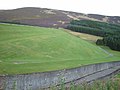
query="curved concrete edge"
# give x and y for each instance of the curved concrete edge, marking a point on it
(106, 74)
(97, 75)
(44, 80)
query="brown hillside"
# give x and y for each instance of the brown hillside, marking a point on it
(50, 17)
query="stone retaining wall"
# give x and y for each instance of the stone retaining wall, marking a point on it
(37, 81)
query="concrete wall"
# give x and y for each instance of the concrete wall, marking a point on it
(37, 81)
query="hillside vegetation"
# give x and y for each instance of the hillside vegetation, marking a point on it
(49, 17)
(109, 32)
(27, 49)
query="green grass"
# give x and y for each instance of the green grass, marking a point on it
(27, 49)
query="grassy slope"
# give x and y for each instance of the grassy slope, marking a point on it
(113, 55)
(27, 49)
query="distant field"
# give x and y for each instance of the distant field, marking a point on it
(85, 36)
(27, 49)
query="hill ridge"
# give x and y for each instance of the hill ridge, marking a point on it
(50, 17)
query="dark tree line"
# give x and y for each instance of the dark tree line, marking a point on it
(109, 32)
(89, 30)
(112, 41)
(10, 22)
(14, 22)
